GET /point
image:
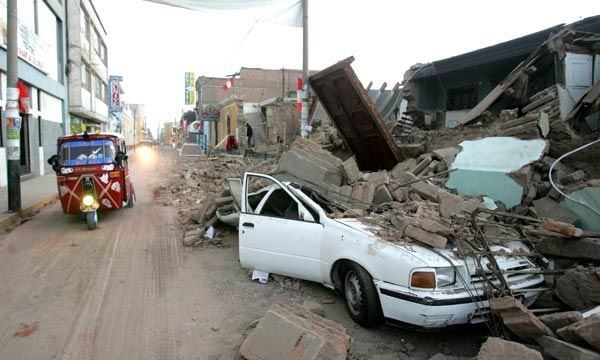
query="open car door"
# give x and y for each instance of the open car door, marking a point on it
(278, 234)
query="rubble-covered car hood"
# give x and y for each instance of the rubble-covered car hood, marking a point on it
(441, 257)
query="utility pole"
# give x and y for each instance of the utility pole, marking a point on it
(305, 95)
(13, 120)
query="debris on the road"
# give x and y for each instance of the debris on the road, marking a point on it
(501, 188)
(261, 276)
(499, 349)
(519, 319)
(290, 331)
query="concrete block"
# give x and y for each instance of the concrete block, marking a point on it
(562, 350)
(293, 332)
(498, 349)
(411, 150)
(585, 332)
(398, 195)
(368, 193)
(430, 225)
(584, 249)
(579, 288)
(378, 178)
(547, 208)
(403, 166)
(307, 161)
(561, 319)
(450, 204)
(421, 165)
(346, 190)
(447, 155)
(426, 190)
(572, 177)
(425, 237)
(382, 195)
(518, 319)
(351, 170)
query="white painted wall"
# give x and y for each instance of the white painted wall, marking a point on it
(3, 174)
(578, 74)
(42, 160)
(51, 108)
(455, 117)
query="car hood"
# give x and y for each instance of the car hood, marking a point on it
(441, 257)
(358, 225)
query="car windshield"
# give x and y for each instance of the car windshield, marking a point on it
(73, 153)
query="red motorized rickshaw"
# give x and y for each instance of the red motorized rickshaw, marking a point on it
(92, 174)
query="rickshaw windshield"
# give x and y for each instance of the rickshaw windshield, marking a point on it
(81, 152)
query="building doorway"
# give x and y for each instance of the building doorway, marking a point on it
(25, 158)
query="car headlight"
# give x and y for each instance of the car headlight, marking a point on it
(423, 279)
(445, 276)
(88, 200)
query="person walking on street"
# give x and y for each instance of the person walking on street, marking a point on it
(249, 134)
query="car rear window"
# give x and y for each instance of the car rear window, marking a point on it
(73, 153)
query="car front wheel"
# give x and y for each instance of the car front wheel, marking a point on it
(362, 301)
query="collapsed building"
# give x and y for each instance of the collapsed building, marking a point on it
(518, 165)
(456, 90)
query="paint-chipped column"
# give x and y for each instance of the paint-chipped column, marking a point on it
(304, 127)
(13, 120)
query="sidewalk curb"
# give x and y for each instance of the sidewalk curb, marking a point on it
(8, 219)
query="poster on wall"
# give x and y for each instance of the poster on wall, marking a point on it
(31, 48)
(190, 88)
(115, 90)
(13, 125)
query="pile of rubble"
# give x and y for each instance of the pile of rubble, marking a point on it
(411, 203)
(562, 335)
(198, 189)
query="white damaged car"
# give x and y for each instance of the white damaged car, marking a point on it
(284, 230)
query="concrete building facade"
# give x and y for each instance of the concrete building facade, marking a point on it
(138, 112)
(42, 73)
(88, 67)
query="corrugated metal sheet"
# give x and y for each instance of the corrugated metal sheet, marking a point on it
(352, 110)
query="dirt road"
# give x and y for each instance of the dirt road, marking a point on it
(129, 290)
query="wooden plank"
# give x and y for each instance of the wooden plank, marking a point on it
(519, 121)
(539, 102)
(352, 111)
(561, 228)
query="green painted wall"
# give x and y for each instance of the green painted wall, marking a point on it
(432, 89)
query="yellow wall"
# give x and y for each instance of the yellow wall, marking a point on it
(233, 110)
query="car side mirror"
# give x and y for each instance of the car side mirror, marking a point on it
(53, 161)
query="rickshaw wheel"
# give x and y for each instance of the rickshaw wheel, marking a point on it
(131, 202)
(92, 220)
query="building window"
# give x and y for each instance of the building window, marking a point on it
(85, 25)
(85, 76)
(48, 26)
(105, 92)
(103, 54)
(462, 98)
(96, 41)
(97, 87)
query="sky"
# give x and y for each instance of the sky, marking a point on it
(153, 45)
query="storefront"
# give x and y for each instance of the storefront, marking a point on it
(42, 84)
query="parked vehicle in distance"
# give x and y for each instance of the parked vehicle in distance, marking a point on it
(191, 149)
(92, 174)
(146, 144)
(284, 230)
